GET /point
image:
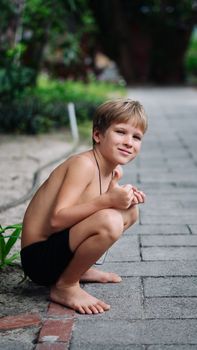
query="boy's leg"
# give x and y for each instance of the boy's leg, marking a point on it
(129, 216)
(89, 239)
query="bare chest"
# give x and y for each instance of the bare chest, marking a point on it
(97, 187)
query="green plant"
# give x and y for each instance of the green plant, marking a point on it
(28, 39)
(191, 55)
(44, 107)
(7, 242)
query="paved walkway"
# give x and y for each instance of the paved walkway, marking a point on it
(155, 307)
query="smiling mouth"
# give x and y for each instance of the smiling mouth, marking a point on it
(124, 151)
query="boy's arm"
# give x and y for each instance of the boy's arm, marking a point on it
(67, 212)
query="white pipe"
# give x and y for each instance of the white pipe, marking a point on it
(73, 121)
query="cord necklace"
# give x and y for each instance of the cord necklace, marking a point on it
(103, 257)
(99, 172)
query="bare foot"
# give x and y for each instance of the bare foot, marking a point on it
(76, 298)
(94, 275)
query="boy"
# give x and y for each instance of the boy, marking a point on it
(81, 210)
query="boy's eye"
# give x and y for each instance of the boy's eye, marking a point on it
(120, 132)
(137, 137)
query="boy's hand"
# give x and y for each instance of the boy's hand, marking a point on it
(121, 197)
(139, 196)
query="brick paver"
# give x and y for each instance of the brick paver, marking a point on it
(57, 328)
(19, 321)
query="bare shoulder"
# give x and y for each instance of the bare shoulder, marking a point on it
(84, 158)
(77, 176)
(81, 163)
(82, 155)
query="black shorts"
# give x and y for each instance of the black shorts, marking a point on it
(43, 262)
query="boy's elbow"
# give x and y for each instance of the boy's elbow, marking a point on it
(54, 222)
(58, 221)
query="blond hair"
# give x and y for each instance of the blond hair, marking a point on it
(117, 111)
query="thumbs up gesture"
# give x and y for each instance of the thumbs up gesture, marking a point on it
(121, 197)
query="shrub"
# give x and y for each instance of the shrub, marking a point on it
(45, 107)
(191, 56)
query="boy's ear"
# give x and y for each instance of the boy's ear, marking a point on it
(96, 136)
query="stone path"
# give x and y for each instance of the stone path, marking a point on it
(155, 307)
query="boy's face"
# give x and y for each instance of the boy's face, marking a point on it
(120, 143)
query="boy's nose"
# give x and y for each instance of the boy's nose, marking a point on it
(129, 141)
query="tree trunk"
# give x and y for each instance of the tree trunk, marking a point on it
(148, 48)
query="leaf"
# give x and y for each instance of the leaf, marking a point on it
(10, 227)
(2, 229)
(12, 240)
(5, 246)
(12, 258)
(2, 249)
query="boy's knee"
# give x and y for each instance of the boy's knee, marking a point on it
(110, 224)
(134, 215)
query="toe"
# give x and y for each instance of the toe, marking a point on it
(117, 278)
(103, 305)
(94, 309)
(88, 310)
(100, 308)
(80, 309)
(114, 277)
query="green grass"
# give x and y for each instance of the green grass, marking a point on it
(7, 241)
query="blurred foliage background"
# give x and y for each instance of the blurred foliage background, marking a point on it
(53, 52)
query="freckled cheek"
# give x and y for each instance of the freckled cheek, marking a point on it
(137, 148)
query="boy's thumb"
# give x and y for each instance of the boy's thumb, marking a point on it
(116, 176)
